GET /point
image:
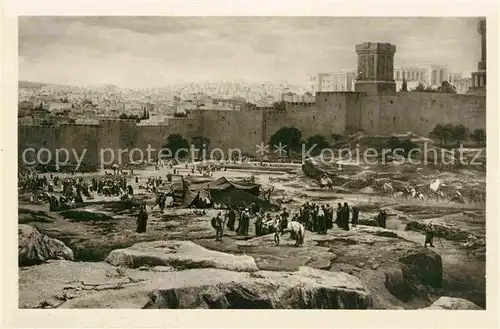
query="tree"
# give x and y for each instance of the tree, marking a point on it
(442, 133)
(479, 136)
(144, 114)
(175, 142)
(447, 87)
(45, 122)
(337, 137)
(200, 142)
(280, 106)
(419, 88)
(25, 106)
(318, 142)
(459, 133)
(395, 143)
(288, 137)
(404, 88)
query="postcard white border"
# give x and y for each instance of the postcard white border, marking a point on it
(13, 317)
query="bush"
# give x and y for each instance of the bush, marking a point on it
(406, 145)
(479, 136)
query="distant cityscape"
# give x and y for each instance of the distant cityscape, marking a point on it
(41, 103)
(429, 75)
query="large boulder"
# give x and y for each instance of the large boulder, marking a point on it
(442, 230)
(317, 167)
(451, 303)
(306, 288)
(397, 285)
(66, 284)
(422, 265)
(180, 255)
(367, 222)
(36, 248)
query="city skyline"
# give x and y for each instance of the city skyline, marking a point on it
(149, 52)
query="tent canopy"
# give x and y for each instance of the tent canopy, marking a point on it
(223, 185)
(193, 198)
(228, 193)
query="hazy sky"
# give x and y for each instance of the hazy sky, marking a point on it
(157, 51)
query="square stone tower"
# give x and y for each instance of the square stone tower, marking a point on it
(479, 78)
(375, 68)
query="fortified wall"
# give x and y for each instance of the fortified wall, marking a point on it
(375, 108)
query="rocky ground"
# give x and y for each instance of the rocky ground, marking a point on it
(178, 263)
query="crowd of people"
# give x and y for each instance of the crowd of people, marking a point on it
(311, 216)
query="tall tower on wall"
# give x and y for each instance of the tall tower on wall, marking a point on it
(479, 77)
(375, 68)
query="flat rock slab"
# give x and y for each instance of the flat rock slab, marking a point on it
(451, 303)
(180, 255)
(66, 284)
(322, 260)
(306, 288)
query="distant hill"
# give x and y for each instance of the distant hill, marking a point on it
(29, 84)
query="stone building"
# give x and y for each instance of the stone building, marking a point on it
(479, 78)
(336, 81)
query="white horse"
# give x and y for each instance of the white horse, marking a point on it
(297, 230)
(388, 189)
(326, 182)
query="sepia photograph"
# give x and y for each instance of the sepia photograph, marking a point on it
(267, 162)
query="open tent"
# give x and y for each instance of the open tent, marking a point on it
(196, 198)
(239, 195)
(224, 185)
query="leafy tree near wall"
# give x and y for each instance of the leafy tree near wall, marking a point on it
(280, 106)
(447, 87)
(318, 142)
(441, 133)
(337, 137)
(447, 133)
(46, 123)
(135, 117)
(459, 133)
(200, 142)
(175, 142)
(290, 137)
(479, 136)
(419, 88)
(396, 143)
